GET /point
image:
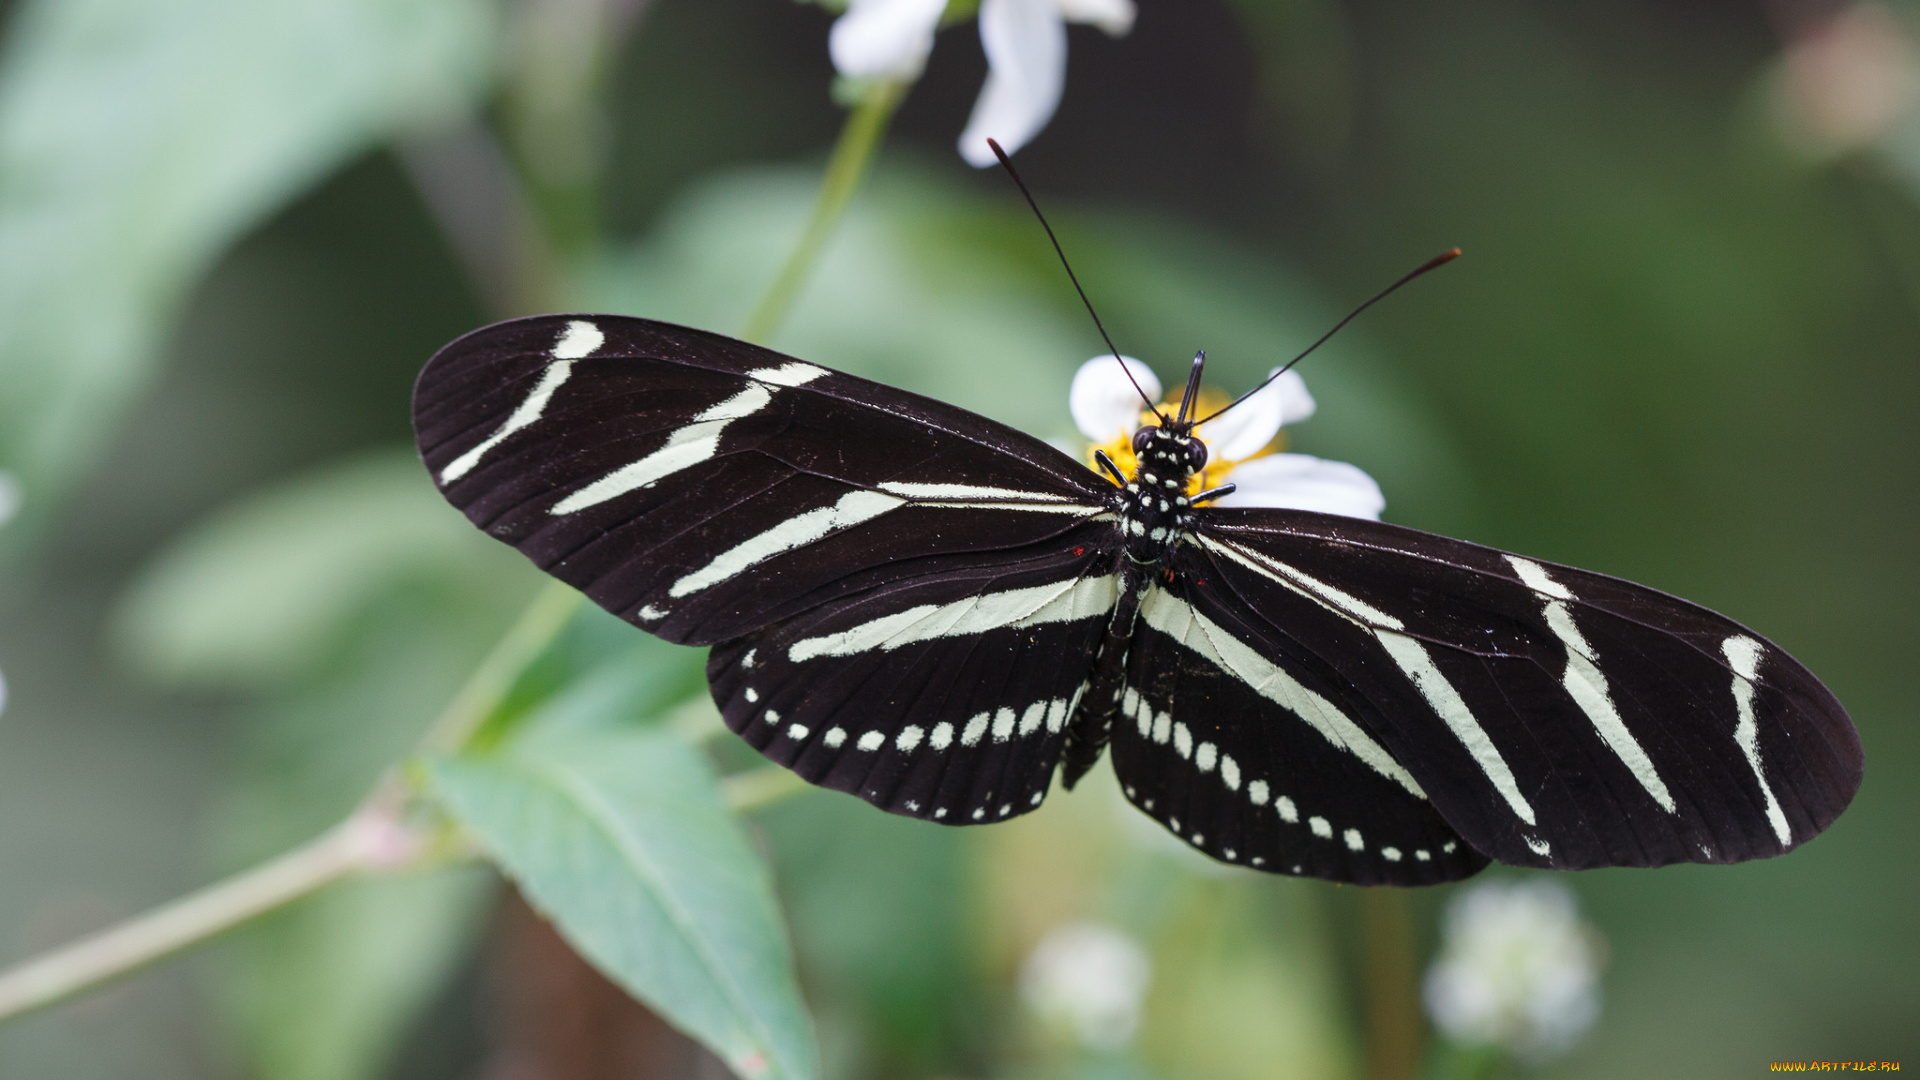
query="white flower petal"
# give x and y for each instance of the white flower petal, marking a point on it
(1103, 403)
(1026, 44)
(1113, 16)
(1295, 403)
(884, 39)
(1304, 482)
(1245, 429)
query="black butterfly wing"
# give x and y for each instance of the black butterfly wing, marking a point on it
(1554, 717)
(909, 595)
(1243, 746)
(942, 695)
(905, 595)
(703, 488)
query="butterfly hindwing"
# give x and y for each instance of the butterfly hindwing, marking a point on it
(1554, 717)
(1251, 751)
(943, 695)
(702, 487)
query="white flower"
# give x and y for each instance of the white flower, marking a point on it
(1104, 403)
(1026, 46)
(1517, 968)
(884, 39)
(1089, 979)
(1107, 409)
(1850, 75)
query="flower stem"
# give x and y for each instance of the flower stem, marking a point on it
(852, 156)
(760, 787)
(483, 691)
(372, 837)
(1392, 985)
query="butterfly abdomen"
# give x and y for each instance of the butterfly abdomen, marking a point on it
(1091, 726)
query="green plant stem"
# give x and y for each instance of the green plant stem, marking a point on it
(760, 787)
(483, 691)
(364, 840)
(696, 720)
(371, 839)
(852, 156)
(1392, 985)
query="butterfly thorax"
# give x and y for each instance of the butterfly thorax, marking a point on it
(1154, 509)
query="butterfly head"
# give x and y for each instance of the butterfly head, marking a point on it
(1164, 457)
(1170, 449)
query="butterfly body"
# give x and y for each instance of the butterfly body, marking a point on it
(1152, 514)
(938, 614)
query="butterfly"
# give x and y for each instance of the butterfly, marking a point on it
(939, 614)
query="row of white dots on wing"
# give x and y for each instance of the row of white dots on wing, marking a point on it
(1002, 725)
(1162, 728)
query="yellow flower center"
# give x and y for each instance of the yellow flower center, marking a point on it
(1120, 449)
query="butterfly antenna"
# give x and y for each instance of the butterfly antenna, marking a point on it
(1190, 400)
(1434, 263)
(1007, 164)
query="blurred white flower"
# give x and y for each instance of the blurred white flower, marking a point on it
(1848, 78)
(1090, 980)
(1518, 968)
(1107, 409)
(1026, 46)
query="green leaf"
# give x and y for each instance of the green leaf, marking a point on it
(263, 589)
(325, 990)
(138, 138)
(618, 833)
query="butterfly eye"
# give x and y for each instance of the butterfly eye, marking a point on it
(1196, 454)
(1142, 437)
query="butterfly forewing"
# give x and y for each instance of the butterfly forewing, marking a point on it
(1250, 750)
(1554, 717)
(704, 488)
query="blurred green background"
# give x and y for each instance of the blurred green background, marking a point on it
(1682, 349)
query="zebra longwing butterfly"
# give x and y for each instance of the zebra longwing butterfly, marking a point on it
(932, 611)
